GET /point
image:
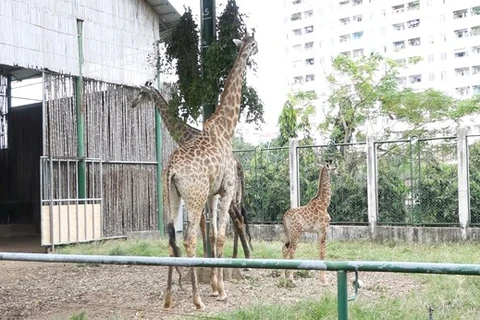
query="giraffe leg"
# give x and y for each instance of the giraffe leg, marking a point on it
(291, 254)
(322, 243)
(222, 228)
(213, 208)
(235, 243)
(203, 230)
(190, 243)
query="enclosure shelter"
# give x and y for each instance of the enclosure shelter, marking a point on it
(76, 162)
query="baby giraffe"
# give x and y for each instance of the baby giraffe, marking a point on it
(313, 217)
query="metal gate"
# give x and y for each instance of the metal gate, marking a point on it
(70, 200)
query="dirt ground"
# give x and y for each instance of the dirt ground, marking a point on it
(39, 291)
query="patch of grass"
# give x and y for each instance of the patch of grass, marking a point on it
(81, 316)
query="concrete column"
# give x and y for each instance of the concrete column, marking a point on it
(463, 181)
(372, 191)
(293, 164)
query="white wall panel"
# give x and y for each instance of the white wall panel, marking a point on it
(118, 36)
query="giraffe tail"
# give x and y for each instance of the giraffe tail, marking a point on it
(172, 241)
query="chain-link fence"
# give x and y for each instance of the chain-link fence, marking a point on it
(473, 143)
(267, 183)
(417, 181)
(348, 179)
(395, 181)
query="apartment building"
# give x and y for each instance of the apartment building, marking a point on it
(436, 42)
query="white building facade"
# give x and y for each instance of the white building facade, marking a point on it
(437, 42)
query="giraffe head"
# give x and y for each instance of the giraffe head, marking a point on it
(144, 95)
(248, 45)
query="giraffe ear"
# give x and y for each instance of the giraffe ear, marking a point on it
(239, 43)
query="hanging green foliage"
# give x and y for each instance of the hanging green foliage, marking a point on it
(182, 51)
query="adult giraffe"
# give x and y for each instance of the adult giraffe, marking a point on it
(202, 171)
(181, 133)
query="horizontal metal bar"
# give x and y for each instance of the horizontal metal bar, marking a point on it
(71, 200)
(438, 138)
(130, 162)
(371, 266)
(65, 158)
(86, 241)
(393, 141)
(333, 145)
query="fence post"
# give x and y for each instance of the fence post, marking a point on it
(463, 181)
(372, 192)
(293, 168)
(342, 295)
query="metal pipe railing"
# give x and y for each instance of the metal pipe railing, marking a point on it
(342, 267)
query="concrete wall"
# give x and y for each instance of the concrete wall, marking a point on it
(118, 35)
(274, 232)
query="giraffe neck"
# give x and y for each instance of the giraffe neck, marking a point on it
(324, 190)
(179, 130)
(225, 118)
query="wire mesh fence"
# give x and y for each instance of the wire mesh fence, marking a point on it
(473, 143)
(348, 179)
(267, 184)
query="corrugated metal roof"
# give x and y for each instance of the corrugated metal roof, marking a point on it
(169, 16)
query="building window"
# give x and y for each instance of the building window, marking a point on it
(461, 33)
(443, 76)
(320, 11)
(309, 62)
(398, 45)
(344, 38)
(345, 53)
(308, 29)
(357, 35)
(358, 53)
(476, 89)
(476, 50)
(297, 47)
(296, 16)
(345, 21)
(462, 72)
(460, 14)
(357, 2)
(398, 9)
(297, 32)
(415, 78)
(298, 80)
(475, 31)
(309, 78)
(476, 70)
(415, 5)
(415, 23)
(414, 60)
(296, 2)
(308, 14)
(461, 54)
(415, 42)
(431, 77)
(443, 56)
(430, 58)
(296, 63)
(463, 91)
(358, 18)
(401, 63)
(343, 3)
(476, 11)
(309, 45)
(399, 26)
(402, 81)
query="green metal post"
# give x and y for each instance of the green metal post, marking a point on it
(342, 295)
(158, 140)
(207, 36)
(80, 115)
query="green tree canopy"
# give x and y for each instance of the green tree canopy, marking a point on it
(181, 55)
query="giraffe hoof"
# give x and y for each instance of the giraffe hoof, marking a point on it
(223, 298)
(200, 306)
(214, 294)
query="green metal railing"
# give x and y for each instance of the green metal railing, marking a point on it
(341, 267)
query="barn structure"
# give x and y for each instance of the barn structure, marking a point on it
(76, 162)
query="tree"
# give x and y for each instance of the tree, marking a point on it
(294, 119)
(362, 91)
(181, 53)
